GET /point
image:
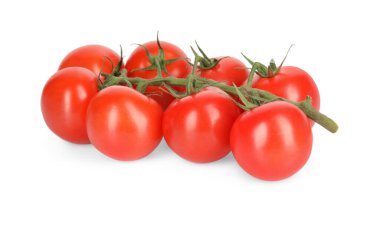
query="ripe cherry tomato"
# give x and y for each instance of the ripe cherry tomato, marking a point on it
(197, 127)
(124, 124)
(64, 102)
(292, 83)
(229, 70)
(139, 60)
(92, 57)
(272, 141)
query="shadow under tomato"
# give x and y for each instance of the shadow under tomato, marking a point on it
(162, 151)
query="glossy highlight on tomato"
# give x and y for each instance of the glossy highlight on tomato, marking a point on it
(123, 123)
(92, 57)
(197, 127)
(64, 102)
(272, 141)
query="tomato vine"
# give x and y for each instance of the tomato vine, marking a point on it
(197, 82)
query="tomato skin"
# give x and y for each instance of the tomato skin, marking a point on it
(92, 57)
(138, 60)
(273, 141)
(229, 70)
(292, 83)
(123, 123)
(64, 102)
(197, 127)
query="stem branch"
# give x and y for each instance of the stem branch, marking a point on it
(253, 93)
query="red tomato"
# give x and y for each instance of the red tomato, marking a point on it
(292, 83)
(92, 57)
(229, 70)
(139, 59)
(197, 127)
(64, 102)
(124, 124)
(272, 141)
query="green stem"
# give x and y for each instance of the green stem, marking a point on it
(318, 117)
(254, 93)
(157, 62)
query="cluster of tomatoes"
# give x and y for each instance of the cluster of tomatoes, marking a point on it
(271, 141)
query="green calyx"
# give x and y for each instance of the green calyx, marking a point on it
(158, 62)
(267, 71)
(113, 79)
(204, 62)
(116, 76)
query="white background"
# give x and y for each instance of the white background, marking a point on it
(45, 180)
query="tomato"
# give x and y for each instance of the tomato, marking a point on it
(92, 57)
(292, 83)
(123, 123)
(197, 127)
(229, 70)
(64, 102)
(272, 141)
(139, 60)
